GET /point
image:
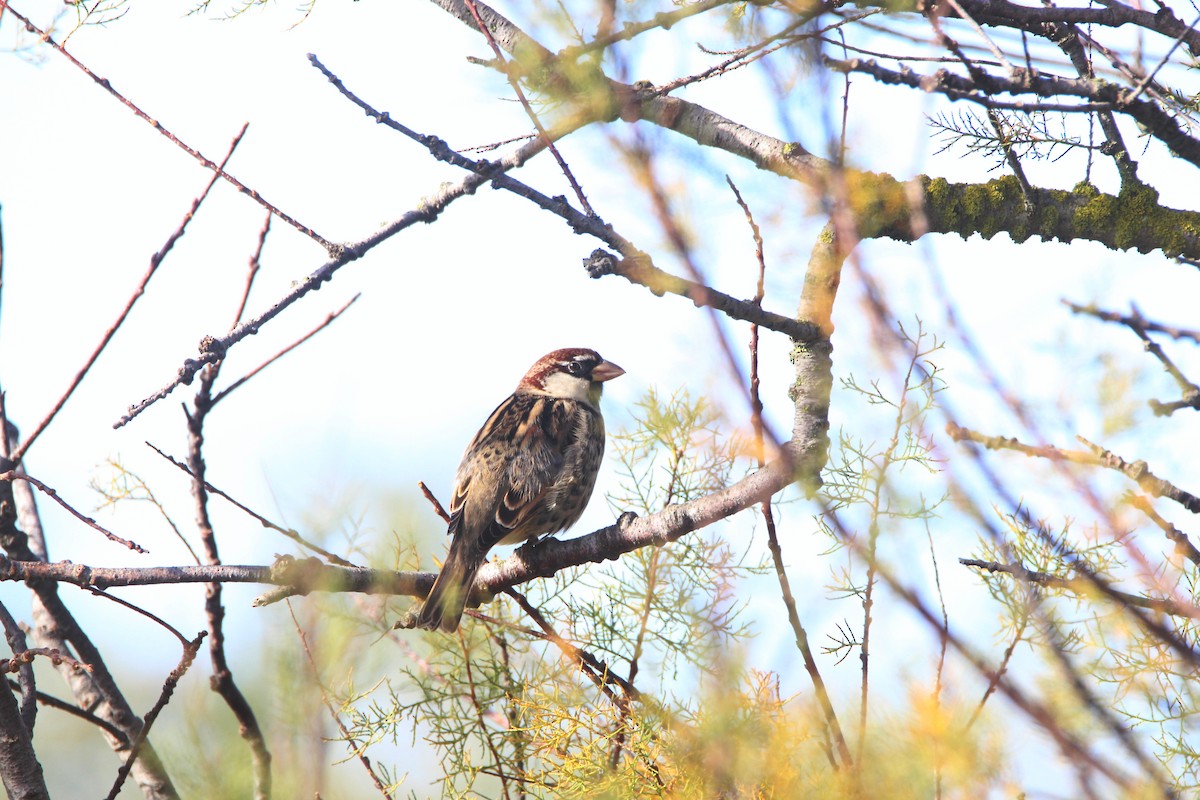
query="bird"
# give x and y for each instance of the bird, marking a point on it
(529, 472)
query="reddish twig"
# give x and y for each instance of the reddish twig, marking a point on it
(598, 672)
(485, 730)
(359, 750)
(1067, 740)
(537, 123)
(155, 261)
(190, 649)
(147, 614)
(1134, 319)
(103, 83)
(328, 320)
(54, 655)
(437, 506)
(1001, 670)
(834, 727)
(214, 348)
(75, 711)
(266, 523)
(14, 475)
(253, 271)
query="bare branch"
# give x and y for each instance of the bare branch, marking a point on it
(1133, 319)
(359, 750)
(333, 558)
(14, 475)
(1085, 588)
(25, 677)
(1137, 471)
(324, 324)
(533, 117)
(155, 261)
(19, 768)
(185, 662)
(103, 83)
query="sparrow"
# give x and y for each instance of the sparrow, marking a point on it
(529, 472)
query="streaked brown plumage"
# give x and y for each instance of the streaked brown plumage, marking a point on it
(529, 471)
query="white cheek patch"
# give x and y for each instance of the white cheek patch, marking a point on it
(560, 384)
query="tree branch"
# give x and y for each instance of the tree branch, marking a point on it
(1085, 587)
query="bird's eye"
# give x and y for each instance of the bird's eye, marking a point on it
(574, 367)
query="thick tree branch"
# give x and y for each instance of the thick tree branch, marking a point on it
(19, 767)
(301, 576)
(1001, 13)
(96, 690)
(881, 205)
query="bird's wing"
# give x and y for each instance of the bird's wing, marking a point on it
(515, 459)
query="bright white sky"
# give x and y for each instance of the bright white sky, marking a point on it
(451, 314)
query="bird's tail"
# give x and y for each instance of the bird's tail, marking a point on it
(448, 597)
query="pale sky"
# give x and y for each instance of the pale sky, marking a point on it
(451, 314)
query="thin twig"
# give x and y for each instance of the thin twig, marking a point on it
(14, 475)
(155, 261)
(25, 677)
(485, 731)
(147, 614)
(252, 272)
(1068, 742)
(324, 324)
(675, 235)
(998, 674)
(537, 123)
(598, 672)
(222, 681)
(437, 506)
(834, 728)
(1137, 471)
(634, 265)
(941, 664)
(358, 749)
(1137, 90)
(44, 36)
(333, 558)
(1010, 155)
(1085, 587)
(1183, 545)
(664, 19)
(75, 711)
(996, 51)
(214, 348)
(190, 650)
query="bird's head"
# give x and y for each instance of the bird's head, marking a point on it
(573, 373)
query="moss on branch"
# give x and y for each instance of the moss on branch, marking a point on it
(1131, 220)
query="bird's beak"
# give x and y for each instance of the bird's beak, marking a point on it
(606, 371)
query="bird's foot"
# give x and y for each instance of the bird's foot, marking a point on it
(408, 620)
(625, 520)
(534, 543)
